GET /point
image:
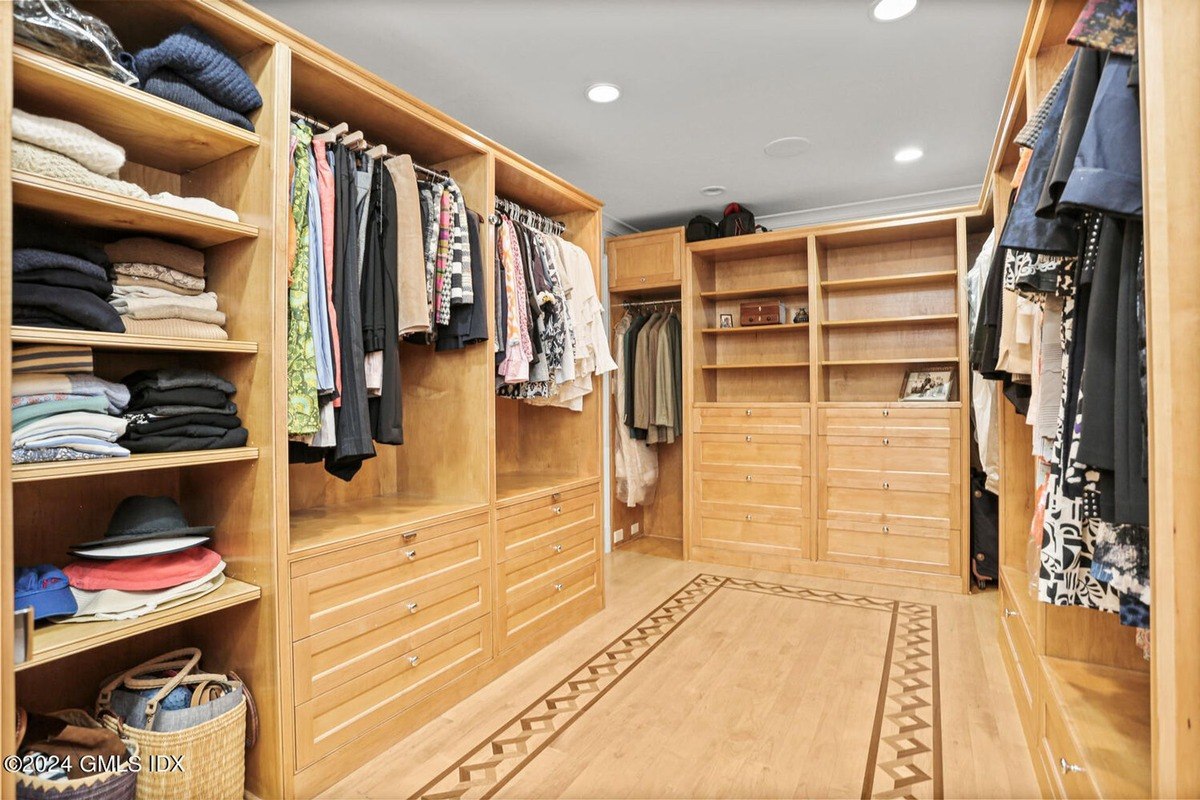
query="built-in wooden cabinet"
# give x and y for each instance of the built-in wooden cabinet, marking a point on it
(641, 261)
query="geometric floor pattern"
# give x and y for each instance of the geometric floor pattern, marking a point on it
(904, 760)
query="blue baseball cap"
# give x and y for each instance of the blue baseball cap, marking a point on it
(46, 588)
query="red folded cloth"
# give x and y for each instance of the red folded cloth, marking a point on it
(145, 573)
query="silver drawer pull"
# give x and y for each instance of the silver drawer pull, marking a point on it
(749, 517)
(557, 548)
(749, 438)
(408, 537)
(749, 412)
(1067, 767)
(886, 412)
(412, 607)
(643, 280)
(749, 478)
(554, 498)
(887, 529)
(557, 509)
(1008, 612)
(886, 442)
(887, 485)
(414, 660)
(558, 587)
(410, 554)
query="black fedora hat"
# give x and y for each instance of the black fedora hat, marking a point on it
(140, 517)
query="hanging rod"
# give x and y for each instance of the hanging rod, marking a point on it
(434, 174)
(639, 303)
(528, 217)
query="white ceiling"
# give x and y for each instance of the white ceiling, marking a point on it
(706, 84)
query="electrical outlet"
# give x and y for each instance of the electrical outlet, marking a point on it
(635, 529)
(619, 535)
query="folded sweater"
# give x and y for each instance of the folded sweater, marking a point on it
(28, 157)
(176, 378)
(28, 259)
(68, 278)
(74, 141)
(160, 273)
(200, 60)
(166, 84)
(147, 250)
(71, 423)
(78, 308)
(151, 283)
(179, 328)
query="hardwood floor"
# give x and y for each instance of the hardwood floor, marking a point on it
(660, 546)
(708, 681)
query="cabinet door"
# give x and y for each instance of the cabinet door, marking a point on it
(645, 260)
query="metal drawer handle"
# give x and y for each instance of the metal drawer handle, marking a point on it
(885, 441)
(749, 517)
(643, 280)
(554, 498)
(410, 554)
(887, 529)
(749, 478)
(749, 438)
(414, 660)
(408, 537)
(412, 607)
(1008, 612)
(886, 412)
(557, 548)
(1067, 767)
(749, 412)
(557, 509)
(887, 485)
(558, 587)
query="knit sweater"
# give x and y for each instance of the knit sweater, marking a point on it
(74, 141)
(28, 157)
(166, 84)
(146, 250)
(173, 277)
(201, 61)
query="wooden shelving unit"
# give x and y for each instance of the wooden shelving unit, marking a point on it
(867, 362)
(787, 327)
(888, 322)
(891, 281)
(751, 293)
(99, 340)
(64, 639)
(140, 462)
(763, 365)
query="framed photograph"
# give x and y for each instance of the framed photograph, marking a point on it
(927, 385)
(727, 320)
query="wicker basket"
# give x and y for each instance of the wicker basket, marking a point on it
(119, 785)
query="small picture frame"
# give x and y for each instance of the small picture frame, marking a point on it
(927, 385)
(22, 635)
(727, 320)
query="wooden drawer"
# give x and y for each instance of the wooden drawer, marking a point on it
(771, 493)
(645, 260)
(894, 546)
(337, 588)
(886, 481)
(938, 509)
(882, 421)
(546, 605)
(532, 568)
(1020, 655)
(333, 657)
(753, 529)
(540, 523)
(352, 709)
(750, 418)
(1062, 758)
(752, 452)
(891, 453)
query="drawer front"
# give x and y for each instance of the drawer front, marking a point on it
(891, 453)
(893, 546)
(546, 604)
(753, 529)
(774, 493)
(927, 482)
(939, 423)
(352, 709)
(1020, 653)
(752, 419)
(333, 657)
(923, 509)
(533, 568)
(752, 452)
(646, 260)
(1062, 756)
(347, 585)
(537, 524)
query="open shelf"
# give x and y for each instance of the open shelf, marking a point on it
(907, 279)
(884, 322)
(88, 207)
(1108, 710)
(767, 365)
(51, 642)
(59, 470)
(766, 291)
(872, 361)
(789, 326)
(371, 517)
(512, 486)
(153, 131)
(99, 340)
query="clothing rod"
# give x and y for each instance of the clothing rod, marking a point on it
(530, 217)
(431, 172)
(639, 303)
(297, 115)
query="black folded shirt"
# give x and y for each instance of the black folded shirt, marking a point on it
(167, 425)
(174, 444)
(187, 396)
(57, 276)
(63, 307)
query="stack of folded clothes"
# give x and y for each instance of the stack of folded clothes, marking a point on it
(180, 409)
(62, 285)
(191, 68)
(65, 415)
(149, 559)
(159, 290)
(64, 151)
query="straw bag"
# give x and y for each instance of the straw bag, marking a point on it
(193, 753)
(118, 785)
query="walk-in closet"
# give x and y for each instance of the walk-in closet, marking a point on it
(460, 400)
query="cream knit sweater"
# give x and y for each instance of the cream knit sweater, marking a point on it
(73, 141)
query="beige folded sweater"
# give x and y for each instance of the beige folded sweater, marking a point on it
(181, 328)
(161, 274)
(76, 142)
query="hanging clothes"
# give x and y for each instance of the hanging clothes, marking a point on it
(635, 464)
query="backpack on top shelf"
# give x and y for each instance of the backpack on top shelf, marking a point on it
(737, 221)
(700, 228)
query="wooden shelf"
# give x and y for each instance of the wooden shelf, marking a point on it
(154, 132)
(790, 326)
(98, 340)
(55, 641)
(92, 208)
(314, 529)
(908, 279)
(59, 470)
(767, 365)
(1108, 710)
(884, 322)
(746, 294)
(950, 360)
(512, 486)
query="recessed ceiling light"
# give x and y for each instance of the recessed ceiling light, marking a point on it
(891, 10)
(712, 191)
(906, 154)
(787, 147)
(603, 92)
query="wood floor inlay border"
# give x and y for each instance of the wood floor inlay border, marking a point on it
(904, 760)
